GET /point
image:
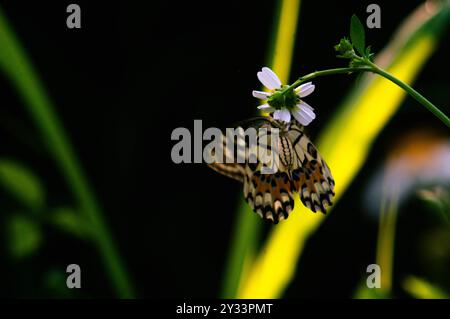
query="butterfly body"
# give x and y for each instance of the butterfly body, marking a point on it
(299, 169)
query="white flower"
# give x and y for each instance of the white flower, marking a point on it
(302, 112)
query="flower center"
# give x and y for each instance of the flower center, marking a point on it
(284, 98)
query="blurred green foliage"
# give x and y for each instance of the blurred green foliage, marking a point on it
(421, 289)
(71, 222)
(19, 70)
(24, 236)
(22, 184)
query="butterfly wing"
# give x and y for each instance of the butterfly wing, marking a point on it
(229, 166)
(310, 174)
(230, 151)
(300, 168)
(269, 195)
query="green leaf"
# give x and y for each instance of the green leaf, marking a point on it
(357, 35)
(24, 236)
(21, 183)
(71, 222)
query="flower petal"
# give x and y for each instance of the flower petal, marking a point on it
(272, 75)
(266, 108)
(305, 89)
(305, 105)
(301, 118)
(306, 108)
(266, 80)
(260, 95)
(282, 115)
(304, 114)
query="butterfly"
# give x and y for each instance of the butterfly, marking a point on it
(299, 169)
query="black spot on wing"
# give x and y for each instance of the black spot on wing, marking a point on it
(311, 150)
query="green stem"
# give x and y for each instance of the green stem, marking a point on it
(371, 67)
(416, 95)
(317, 74)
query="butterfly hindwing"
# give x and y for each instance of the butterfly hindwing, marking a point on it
(311, 176)
(269, 195)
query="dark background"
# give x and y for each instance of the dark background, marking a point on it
(137, 70)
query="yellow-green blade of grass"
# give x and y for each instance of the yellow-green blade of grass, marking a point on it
(345, 144)
(386, 242)
(247, 228)
(422, 289)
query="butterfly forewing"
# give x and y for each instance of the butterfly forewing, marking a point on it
(311, 175)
